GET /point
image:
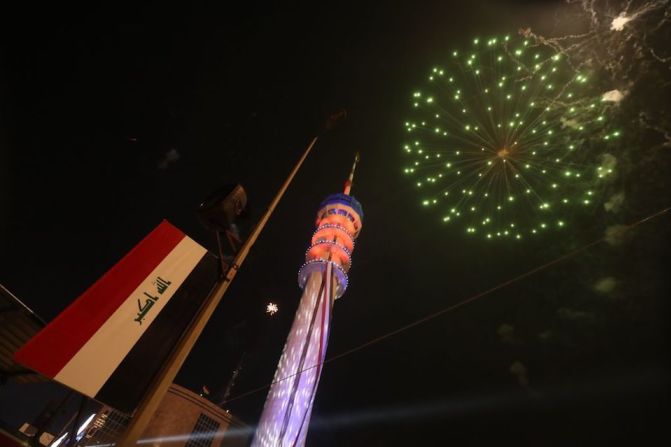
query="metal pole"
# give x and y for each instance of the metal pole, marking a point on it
(171, 367)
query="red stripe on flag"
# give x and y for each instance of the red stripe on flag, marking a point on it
(60, 340)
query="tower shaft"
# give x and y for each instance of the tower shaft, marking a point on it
(286, 414)
(323, 277)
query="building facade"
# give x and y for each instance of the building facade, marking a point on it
(184, 418)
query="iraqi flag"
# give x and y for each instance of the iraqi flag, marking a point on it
(110, 343)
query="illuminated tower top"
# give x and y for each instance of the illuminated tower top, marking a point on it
(339, 222)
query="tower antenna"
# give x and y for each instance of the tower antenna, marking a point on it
(350, 179)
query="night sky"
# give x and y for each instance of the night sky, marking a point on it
(112, 119)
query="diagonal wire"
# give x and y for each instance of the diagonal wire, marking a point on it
(454, 306)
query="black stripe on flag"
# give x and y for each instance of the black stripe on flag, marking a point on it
(129, 381)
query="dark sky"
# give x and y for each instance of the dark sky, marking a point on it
(94, 101)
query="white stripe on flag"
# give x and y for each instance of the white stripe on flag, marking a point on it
(88, 370)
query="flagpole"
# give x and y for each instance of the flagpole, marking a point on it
(156, 391)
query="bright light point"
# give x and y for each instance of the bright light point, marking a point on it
(84, 425)
(560, 223)
(58, 442)
(614, 96)
(618, 22)
(503, 153)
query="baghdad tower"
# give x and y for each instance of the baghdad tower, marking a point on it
(323, 278)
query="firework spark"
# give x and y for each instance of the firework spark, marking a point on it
(271, 309)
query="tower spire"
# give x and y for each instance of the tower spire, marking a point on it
(350, 179)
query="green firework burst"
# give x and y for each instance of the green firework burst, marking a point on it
(502, 139)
